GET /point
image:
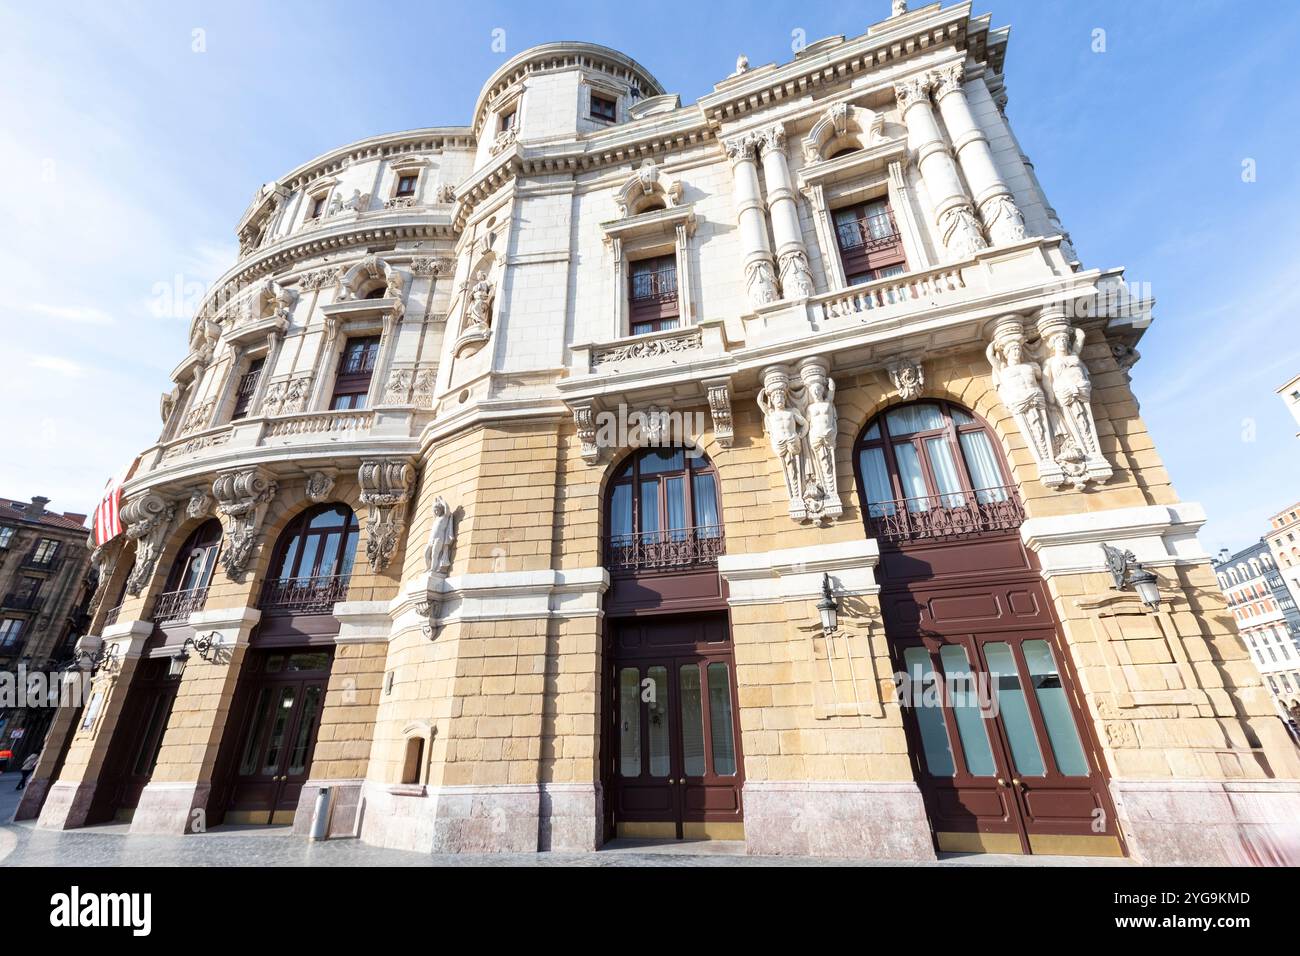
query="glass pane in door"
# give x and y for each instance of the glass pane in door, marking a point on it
(929, 719)
(279, 728)
(1014, 710)
(692, 721)
(720, 732)
(656, 694)
(911, 477)
(945, 471)
(248, 762)
(302, 737)
(1062, 734)
(629, 722)
(966, 711)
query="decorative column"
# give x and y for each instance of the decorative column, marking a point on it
(1002, 220)
(959, 229)
(791, 254)
(760, 275)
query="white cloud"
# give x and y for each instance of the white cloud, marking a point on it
(53, 363)
(80, 314)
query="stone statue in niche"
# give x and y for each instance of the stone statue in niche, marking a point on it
(478, 313)
(437, 553)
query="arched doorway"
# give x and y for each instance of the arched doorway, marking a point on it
(277, 710)
(671, 750)
(999, 738)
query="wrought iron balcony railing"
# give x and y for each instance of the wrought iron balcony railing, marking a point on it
(175, 607)
(660, 286)
(316, 595)
(946, 516)
(870, 233)
(665, 550)
(110, 616)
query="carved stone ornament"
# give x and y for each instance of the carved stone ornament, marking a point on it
(760, 281)
(913, 91)
(645, 185)
(908, 376)
(103, 562)
(320, 484)
(1003, 220)
(398, 389)
(422, 387)
(961, 233)
(199, 505)
(802, 425)
(437, 553)
(147, 520)
(796, 276)
(648, 349)
(584, 420)
(898, 8)
(1068, 385)
(385, 489)
(242, 498)
(720, 410)
(428, 266)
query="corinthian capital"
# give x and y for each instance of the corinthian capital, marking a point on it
(242, 497)
(948, 79)
(386, 485)
(913, 91)
(741, 147)
(773, 137)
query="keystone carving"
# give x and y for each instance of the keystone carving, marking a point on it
(385, 490)
(320, 484)
(908, 376)
(242, 498)
(147, 520)
(720, 410)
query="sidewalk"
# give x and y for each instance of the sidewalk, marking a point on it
(21, 844)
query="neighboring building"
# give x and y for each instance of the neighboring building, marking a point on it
(1268, 620)
(1290, 393)
(45, 584)
(397, 534)
(1283, 540)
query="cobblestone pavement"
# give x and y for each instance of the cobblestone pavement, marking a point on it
(21, 844)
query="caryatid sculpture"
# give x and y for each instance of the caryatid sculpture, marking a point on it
(801, 423)
(1018, 381)
(786, 429)
(1069, 390)
(437, 553)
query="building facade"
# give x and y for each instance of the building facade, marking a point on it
(46, 584)
(608, 466)
(1290, 395)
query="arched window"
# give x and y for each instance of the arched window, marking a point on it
(931, 469)
(663, 511)
(312, 561)
(190, 575)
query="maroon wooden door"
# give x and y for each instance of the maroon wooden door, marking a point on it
(278, 729)
(675, 764)
(137, 739)
(998, 735)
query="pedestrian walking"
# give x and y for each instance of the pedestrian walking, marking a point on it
(26, 770)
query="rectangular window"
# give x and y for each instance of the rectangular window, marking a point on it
(247, 388)
(317, 206)
(406, 185)
(652, 295)
(508, 120)
(870, 246)
(11, 631)
(603, 108)
(45, 551)
(356, 367)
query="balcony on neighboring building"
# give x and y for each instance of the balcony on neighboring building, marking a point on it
(674, 550)
(951, 515)
(314, 595)
(175, 607)
(111, 616)
(22, 602)
(49, 562)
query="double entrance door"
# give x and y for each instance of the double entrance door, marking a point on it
(137, 740)
(1000, 752)
(278, 721)
(674, 761)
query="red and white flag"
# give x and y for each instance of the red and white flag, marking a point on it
(108, 520)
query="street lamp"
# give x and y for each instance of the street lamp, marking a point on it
(206, 646)
(1129, 574)
(828, 608)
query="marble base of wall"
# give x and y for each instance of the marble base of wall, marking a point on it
(1210, 822)
(66, 806)
(172, 808)
(884, 821)
(520, 818)
(345, 803)
(33, 798)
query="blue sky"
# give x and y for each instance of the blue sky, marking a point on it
(128, 157)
